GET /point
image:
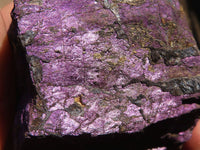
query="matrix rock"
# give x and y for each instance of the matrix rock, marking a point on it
(103, 67)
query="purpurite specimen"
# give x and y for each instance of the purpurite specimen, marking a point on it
(108, 66)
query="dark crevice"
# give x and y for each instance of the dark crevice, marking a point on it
(191, 100)
(171, 57)
(176, 86)
(162, 133)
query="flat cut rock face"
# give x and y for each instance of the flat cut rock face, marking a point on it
(107, 66)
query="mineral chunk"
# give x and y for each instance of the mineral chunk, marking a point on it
(104, 67)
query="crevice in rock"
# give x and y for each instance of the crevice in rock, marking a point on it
(176, 86)
(191, 100)
(171, 57)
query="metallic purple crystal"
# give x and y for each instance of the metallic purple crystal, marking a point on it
(107, 66)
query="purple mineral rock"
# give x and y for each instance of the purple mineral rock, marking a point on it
(107, 67)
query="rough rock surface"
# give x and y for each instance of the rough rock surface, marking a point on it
(108, 66)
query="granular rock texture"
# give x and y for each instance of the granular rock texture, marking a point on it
(108, 66)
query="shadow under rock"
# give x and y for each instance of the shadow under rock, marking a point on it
(25, 90)
(155, 135)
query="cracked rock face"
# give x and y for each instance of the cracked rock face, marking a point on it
(107, 66)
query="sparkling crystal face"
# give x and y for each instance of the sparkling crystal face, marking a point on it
(109, 66)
